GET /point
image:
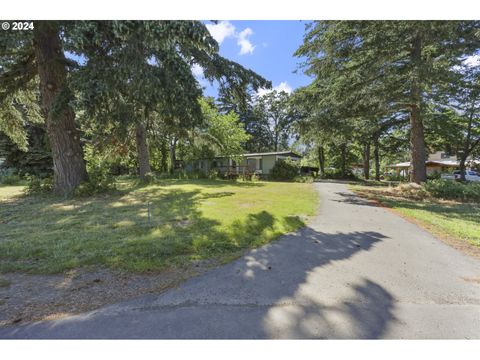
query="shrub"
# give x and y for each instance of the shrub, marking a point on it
(212, 174)
(245, 176)
(411, 190)
(149, 178)
(38, 185)
(336, 174)
(303, 179)
(452, 190)
(99, 181)
(285, 170)
(9, 177)
(255, 177)
(434, 176)
(395, 177)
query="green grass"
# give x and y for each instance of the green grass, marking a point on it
(190, 220)
(458, 220)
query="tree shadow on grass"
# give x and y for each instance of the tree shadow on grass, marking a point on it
(137, 231)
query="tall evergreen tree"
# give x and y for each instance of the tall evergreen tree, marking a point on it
(379, 68)
(26, 56)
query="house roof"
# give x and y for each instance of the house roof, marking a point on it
(284, 153)
(452, 163)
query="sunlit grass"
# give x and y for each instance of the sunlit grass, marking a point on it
(189, 219)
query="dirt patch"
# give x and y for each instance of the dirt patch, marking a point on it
(44, 297)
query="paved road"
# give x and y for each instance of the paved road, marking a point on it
(357, 271)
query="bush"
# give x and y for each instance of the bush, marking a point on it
(411, 190)
(38, 185)
(212, 174)
(303, 179)
(99, 181)
(452, 190)
(285, 170)
(395, 177)
(255, 177)
(8, 177)
(336, 174)
(434, 176)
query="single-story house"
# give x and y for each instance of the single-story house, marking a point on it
(438, 162)
(258, 163)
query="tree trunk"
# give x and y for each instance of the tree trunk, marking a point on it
(321, 160)
(173, 157)
(376, 155)
(463, 160)
(343, 159)
(142, 150)
(165, 153)
(68, 162)
(418, 173)
(366, 161)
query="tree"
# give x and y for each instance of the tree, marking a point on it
(138, 73)
(222, 134)
(276, 116)
(376, 69)
(260, 140)
(24, 55)
(465, 112)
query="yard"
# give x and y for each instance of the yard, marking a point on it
(457, 223)
(189, 220)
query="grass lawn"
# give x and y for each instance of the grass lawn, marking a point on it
(190, 220)
(460, 221)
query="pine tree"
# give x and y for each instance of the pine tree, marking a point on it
(380, 68)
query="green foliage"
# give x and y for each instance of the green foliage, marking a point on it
(304, 179)
(285, 170)
(372, 77)
(434, 176)
(98, 182)
(337, 174)
(275, 115)
(221, 134)
(395, 177)
(453, 190)
(8, 176)
(18, 108)
(37, 160)
(38, 185)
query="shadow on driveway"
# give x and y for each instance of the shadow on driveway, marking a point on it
(277, 291)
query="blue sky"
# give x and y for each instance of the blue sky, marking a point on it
(266, 47)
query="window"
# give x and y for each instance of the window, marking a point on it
(260, 165)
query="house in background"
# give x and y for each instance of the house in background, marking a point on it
(438, 162)
(256, 163)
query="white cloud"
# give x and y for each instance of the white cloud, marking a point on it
(225, 29)
(222, 30)
(283, 86)
(197, 70)
(246, 47)
(472, 61)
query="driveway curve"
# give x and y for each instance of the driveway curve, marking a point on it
(357, 271)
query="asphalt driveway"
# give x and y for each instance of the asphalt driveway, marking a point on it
(357, 271)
